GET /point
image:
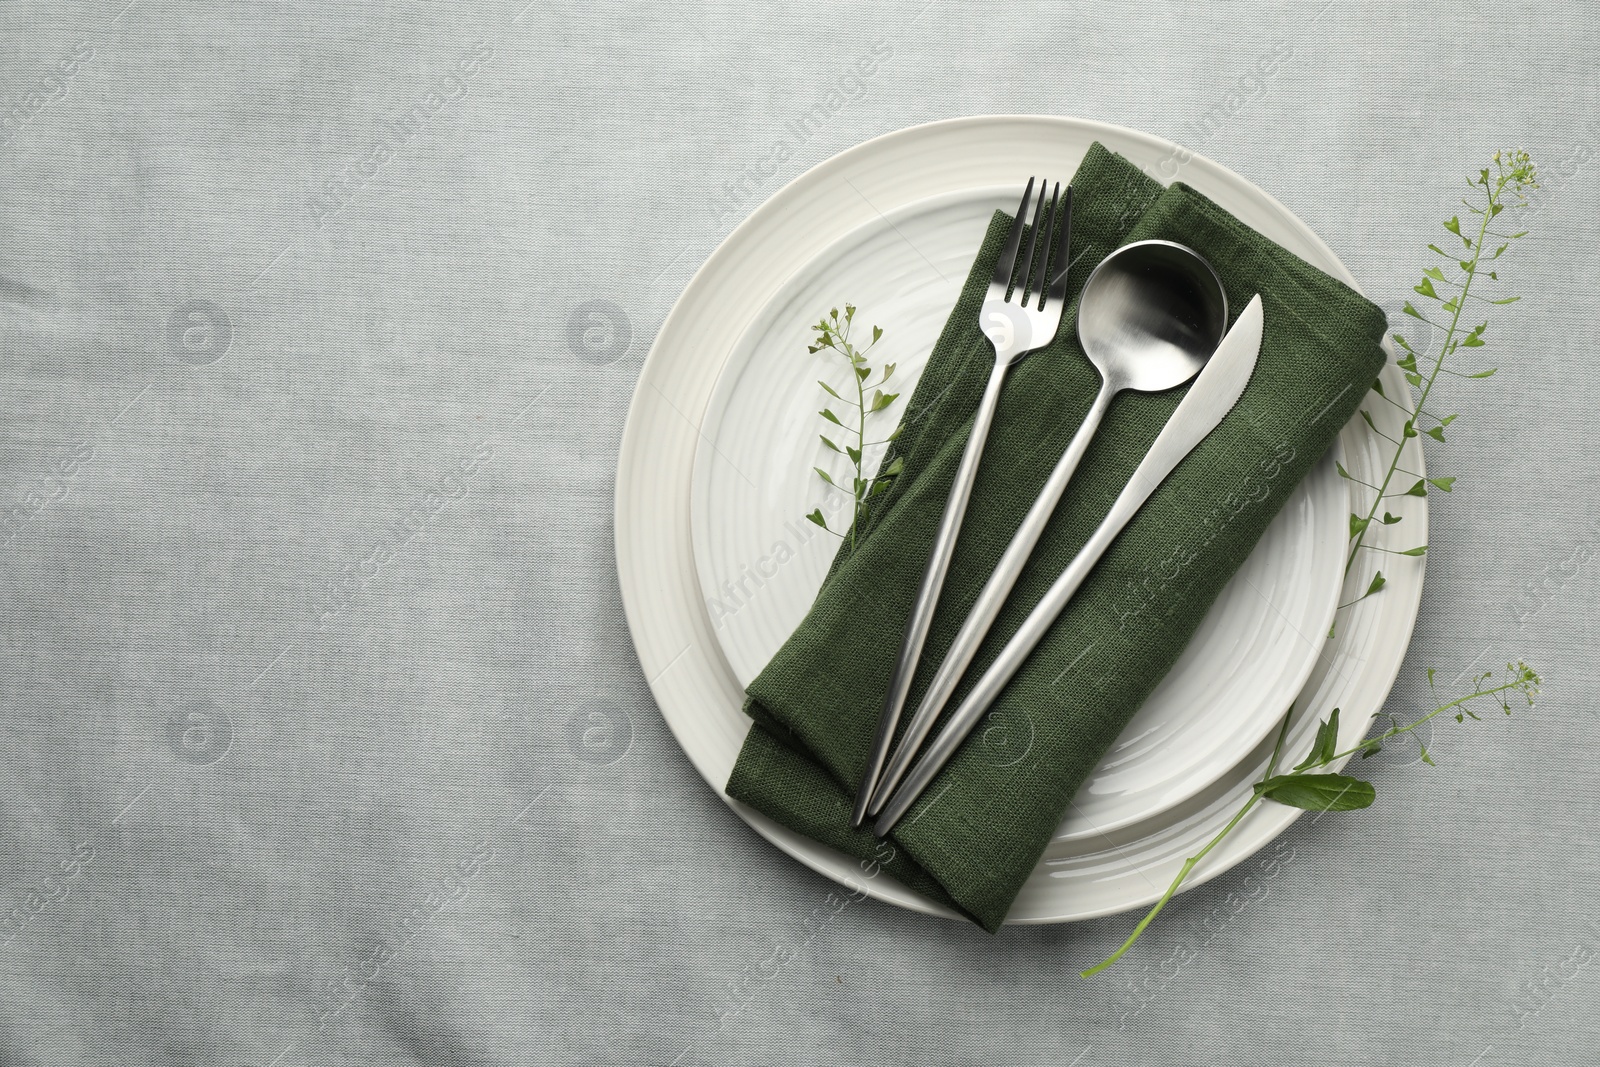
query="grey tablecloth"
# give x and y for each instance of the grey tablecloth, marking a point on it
(323, 739)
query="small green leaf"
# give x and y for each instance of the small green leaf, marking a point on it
(829, 388)
(898, 465)
(1318, 792)
(1420, 489)
(1436, 433)
(830, 416)
(1415, 379)
(830, 444)
(816, 517)
(853, 453)
(1454, 225)
(881, 400)
(827, 477)
(1342, 472)
(1409, 310)
(1435, 273)
(888, 369)
(1449, 305)
(1442, 484)
(877, 332)
(1377, 386)
(1484, 373)
(1357, 524)
(1388, 519)
(1378, 582)
(1426, 289)
(1420, 550)
(1422, 750)
(863, 372)
(1430, 677)
(898, 430)
(1472, 341)
(1507, 300)
(1368, 419)
(1326, 745)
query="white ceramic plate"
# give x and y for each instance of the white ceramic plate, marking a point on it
(760, 563)
(700, 695)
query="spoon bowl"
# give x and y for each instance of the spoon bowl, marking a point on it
(1150, 316)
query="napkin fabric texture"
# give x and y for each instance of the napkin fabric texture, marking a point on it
(979, 830)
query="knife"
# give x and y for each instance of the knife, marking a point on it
(1214, 393)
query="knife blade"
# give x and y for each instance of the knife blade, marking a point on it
(1214, 393)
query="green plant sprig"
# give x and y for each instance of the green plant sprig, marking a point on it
(1495, 190)
(833, 333)
(1302, 787)
(1505, 186)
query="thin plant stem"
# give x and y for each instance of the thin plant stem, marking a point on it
(833, 333)
(1493, 189)
(1522, 679)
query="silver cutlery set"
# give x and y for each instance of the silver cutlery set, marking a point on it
(1151, 316)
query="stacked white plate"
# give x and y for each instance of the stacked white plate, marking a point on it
(717, 564)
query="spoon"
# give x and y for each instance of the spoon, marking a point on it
(1149, 317)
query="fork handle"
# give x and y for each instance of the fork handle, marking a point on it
(916, 633)
(993, 597)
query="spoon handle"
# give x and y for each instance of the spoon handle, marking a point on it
(990, 601)
(927, 600)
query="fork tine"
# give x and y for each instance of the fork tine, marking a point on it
(1058, 283)
(1008, 253)
(1037, 289)
(1033, 243)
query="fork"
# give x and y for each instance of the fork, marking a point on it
(1019, 315)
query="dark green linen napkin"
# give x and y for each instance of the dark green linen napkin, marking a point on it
(977, 833)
